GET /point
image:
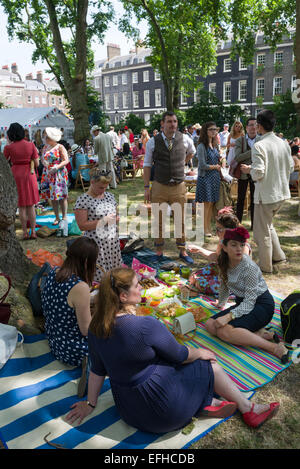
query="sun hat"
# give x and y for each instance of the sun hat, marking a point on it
(75, 147)
(95, 127)
(197, 126)
(53, 133)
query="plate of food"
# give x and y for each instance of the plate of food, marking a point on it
(143, 310)
(199, 313)
(170, 310)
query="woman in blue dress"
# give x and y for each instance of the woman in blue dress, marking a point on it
(209, 171)
(158, 385)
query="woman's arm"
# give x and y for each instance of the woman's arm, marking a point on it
(199, 353)
(64, 157)
(81, 216)
(79, 299)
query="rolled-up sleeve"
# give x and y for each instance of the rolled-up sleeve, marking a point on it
(148, 158)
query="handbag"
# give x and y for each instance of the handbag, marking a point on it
(5, 310)
(8, 342)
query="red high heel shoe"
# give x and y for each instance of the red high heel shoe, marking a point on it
(254, 420)
(225, 409)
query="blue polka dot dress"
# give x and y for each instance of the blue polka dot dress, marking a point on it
(208, 186)
(65, 339)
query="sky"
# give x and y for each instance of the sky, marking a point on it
(20, 53)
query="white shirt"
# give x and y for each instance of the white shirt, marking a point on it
(187, 142)
(114, 138)
(224, 137)
(250, 141)
(123, 140)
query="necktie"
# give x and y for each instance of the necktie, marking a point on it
(170, 144)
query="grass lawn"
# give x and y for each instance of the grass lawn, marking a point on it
(283, 431)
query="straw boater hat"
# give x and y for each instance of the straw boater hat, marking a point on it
(197, 126)
(53, 133)
(95, 127)
(75, 147)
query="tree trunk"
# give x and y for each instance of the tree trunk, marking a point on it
(12, 259)
(79, 109)
(297, 58)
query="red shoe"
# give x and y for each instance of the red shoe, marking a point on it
(255, 420)
(225, 409)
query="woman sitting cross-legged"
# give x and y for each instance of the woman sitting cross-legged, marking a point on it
(66, 303)
(158, 385)
(243, 323)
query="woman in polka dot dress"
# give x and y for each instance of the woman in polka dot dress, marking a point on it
(96, 215)
(66, 302)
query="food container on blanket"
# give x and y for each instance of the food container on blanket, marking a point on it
(184, 324)
(142, 270)
(171, 308)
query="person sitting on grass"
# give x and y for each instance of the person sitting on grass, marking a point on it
(243, 323)
(158, 385)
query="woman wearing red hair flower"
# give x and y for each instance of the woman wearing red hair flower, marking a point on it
(243, 323)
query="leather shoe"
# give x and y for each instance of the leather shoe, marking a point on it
(254, 420)
(186, 259)
(225, 409)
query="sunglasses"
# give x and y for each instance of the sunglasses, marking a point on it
(213, 129)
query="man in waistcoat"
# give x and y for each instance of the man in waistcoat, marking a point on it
(242, 154)
(170, 151)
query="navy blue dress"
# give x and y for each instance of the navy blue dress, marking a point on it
(65, 339)
(152, 389)
(208, 186)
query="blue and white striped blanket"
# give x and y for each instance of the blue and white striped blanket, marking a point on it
(36, 392)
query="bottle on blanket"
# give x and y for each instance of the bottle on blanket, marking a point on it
(63, 229)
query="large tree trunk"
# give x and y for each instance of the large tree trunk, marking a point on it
(80, 112)
(12, 259)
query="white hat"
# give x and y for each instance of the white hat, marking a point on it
(53, 133)
(95, 127)
(75, 147)
(197, 126)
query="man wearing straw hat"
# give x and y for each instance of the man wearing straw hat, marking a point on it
(103, 148)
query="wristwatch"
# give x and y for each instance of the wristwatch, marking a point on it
(91, 405)
(232, 315)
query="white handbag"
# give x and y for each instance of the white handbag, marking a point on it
(8, 342)
(184, 324)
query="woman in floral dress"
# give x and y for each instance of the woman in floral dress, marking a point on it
(54, 182)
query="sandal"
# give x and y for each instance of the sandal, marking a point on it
(254, 420)
(282, 353)
(225, 409)
(56, 222)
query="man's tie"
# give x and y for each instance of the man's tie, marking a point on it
(170, 144)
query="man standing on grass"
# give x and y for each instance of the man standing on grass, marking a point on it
(103, 148)
(270, 169)
(170, 151)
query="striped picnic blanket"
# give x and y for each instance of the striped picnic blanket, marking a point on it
(36, 392)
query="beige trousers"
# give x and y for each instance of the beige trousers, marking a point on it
(172, 195)
(265, 236)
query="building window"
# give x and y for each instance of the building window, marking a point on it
(124, 78)
(53, 100)
(29, 99)
(278, 58)
(106, 81)
(277, 86)
(147, 119)
(60, 101)
(260, 87)
(146, 75)
(135, 99)
(212, 88)
(140, 60)
(294, 83)
(44, 100)
(116, 101)
(227, 65)
(146, 98)
(125, 100)
(37, 100)
(135, 78)
(157, 76)
(115, 80)
(158, 97)
(242, 90)
(97, 82)
(107, 101)
(261, 59)
(183, 97)
(196, 96)
(213, 71)
(227, 91)
(8, 93)
(19, 93)
(242, 64)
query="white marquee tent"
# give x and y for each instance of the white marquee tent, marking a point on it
(37, 118)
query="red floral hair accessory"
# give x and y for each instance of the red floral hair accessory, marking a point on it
(225, 210)
(237, 234)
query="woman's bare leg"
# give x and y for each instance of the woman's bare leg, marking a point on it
(63, 203)
(55, 206)
(32, 218)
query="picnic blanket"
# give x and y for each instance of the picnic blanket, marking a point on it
(48, 220)
(36, 392)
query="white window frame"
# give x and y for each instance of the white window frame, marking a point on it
(52, 100)
(157, 76)
(146, 98)
(158, 97)
(276, 54)
(106, 81)
(147, 118)
(183, 97)
(145, 76)
(125, 100)
(124, 78)
(227, 61)
(135, 77)
(294, 85)
(29, 99)
(259, 61)
(115, 80)
(242, 83)
(214, 86)
(44, 100)
(274, 81)
(259, 87)
(241, 65)
(19, 93)
(225, 91)
(107, 101)
(8, 93)
(36, 100)
(135, 99)
(116, 100)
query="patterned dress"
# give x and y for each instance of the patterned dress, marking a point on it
(54, 186)
(208, 186)
(106, 237)
(65, 339)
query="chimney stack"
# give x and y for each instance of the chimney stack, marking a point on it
(39, 76)
(113, 50)
(29, 76)
(14, 68)
(5, 67)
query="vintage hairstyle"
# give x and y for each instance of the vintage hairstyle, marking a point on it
(233, 132)
(237, 233)
(204, 136)
(227, 219)
(266, 119)
(97, 174)
(81, 260)
(15, 132)
(113, 284)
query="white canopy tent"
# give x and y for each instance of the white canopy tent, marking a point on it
(37, 118)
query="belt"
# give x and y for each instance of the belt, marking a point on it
(173, 183)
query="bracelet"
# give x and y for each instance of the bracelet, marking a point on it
(146, 187)
(91, 405)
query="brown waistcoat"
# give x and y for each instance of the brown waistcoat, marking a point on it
(169, 165)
